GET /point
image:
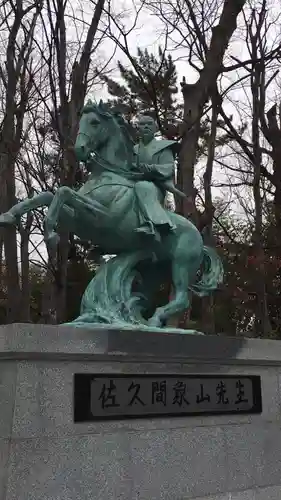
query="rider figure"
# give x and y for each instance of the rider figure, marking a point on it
(155, 159)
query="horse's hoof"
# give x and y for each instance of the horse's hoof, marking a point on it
(155, 322)
(7, 219)
(52, 239)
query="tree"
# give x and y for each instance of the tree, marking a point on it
(260, 70)
(70, 74)
(207, 45)
(45, 77)
(16, 75)
(150, 87)
(198, 134)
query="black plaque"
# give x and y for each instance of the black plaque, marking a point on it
(116, 396)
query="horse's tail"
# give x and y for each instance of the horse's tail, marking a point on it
(212, 274)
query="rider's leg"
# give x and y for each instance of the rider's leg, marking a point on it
(39, 200)
(151, 212)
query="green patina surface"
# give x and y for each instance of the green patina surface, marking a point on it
(121, 208)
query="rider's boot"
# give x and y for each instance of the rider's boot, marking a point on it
(155, 231)
(145, 231)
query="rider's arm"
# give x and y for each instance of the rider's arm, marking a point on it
(164, 169)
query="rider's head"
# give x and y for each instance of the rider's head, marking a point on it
(147, 128)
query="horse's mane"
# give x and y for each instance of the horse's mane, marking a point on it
(104, 111)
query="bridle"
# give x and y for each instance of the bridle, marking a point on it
(105, 165)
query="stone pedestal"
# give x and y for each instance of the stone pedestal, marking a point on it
(44, 455)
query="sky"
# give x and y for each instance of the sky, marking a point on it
(147, 34)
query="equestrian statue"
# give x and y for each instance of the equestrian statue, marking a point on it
(121, 209)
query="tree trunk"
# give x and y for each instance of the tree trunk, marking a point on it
(17, 85)
(195, 98)
(193, 110)
(25, 278)
(262, 323)
(9, 234)
(49, 292)
(208, 319)
(61, 280)
(197, 95)
(67, 114)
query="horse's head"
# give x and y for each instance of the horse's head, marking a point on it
(92, 132)
(100, 127)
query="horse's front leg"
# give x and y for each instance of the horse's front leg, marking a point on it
(72, 199)
(13, 215)
(51, 219)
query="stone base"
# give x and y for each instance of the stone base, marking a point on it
(44, 455)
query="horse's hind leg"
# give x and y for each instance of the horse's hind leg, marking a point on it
(186, 261)
(12, 216)
(180, 301)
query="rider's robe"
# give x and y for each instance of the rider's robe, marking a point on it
(151, 194)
